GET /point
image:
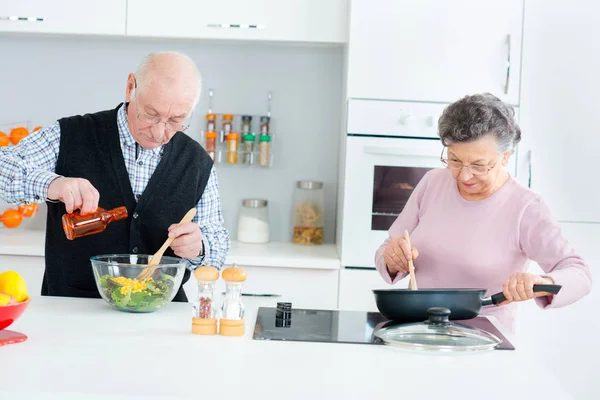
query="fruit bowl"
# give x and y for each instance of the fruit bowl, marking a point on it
(118, 283)
(10, 313)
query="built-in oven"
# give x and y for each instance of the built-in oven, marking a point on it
(390, 145)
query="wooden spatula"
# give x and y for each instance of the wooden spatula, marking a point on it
(155, 260)
(411, 267)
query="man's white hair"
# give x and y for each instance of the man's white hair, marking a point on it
(143, 75)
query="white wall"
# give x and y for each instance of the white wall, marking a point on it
(45, 78)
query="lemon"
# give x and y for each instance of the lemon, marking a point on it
(6, 299)
(13, 284)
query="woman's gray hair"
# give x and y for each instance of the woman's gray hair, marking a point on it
(476, 116)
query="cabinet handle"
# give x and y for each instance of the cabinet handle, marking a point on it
(242, 26)
(397, 151)
(530, 160)
(507, 65)
(15, 18)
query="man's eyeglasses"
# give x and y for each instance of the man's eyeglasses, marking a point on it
(153, 120)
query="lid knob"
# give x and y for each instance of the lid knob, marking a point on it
(438, 315)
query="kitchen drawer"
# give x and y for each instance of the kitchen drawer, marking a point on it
(303, 287)
(101, 17)
(394, 118)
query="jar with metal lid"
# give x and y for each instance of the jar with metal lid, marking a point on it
(253, 221)
(309, 205)
(248, 154)
(246, 124)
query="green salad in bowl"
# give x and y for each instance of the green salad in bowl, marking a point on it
(118, 281)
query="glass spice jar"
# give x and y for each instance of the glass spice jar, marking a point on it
(264, 159)
(309, 203)
(204, 320)
(264, 125)
(246, 124)
(248, 155)
(211, 144)
(232, 148)
(211, 122)
(76, 225)
(227, 126)
(232, 311)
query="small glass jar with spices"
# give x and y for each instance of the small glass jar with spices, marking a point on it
(204, 319)
(211, 122)
(246, 124)
(264, 125)
(248, 149)
(264, 146)
(232, 148)
(309, 205)
(227, 126)
(211, 144)
(232, 312)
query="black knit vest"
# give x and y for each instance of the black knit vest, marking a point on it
(90, 148)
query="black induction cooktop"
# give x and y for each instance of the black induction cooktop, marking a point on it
(333, 326)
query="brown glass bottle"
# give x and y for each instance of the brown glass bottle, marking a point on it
(76, 225)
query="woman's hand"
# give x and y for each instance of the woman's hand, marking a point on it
(519, 287)
(396, 256)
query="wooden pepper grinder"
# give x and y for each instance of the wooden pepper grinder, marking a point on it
(204, 321)
(232, 311)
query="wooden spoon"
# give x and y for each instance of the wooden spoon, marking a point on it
(155, 260)
(411, 267)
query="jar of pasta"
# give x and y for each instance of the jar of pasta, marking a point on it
(309, 203)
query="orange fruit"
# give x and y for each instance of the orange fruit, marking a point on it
(37, 128)
(11, 218)
(4, 140)
(17, 134)
(28, 210)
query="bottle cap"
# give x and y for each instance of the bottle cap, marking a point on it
(119, 213)
(249, 137)
(265, 138)
(232, 136)
(234, 274)
(208, 274)
(211, 117)
(227, 117)
(246, 118)
(265, 119)
(211, 135)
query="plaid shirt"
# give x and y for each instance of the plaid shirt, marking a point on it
(26, 171)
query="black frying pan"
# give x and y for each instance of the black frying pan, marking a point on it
(406, 305)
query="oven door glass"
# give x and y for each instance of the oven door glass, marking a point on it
(380, 175)
(392, 186)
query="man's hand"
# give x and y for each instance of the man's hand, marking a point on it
(76, 193)
(188, 240)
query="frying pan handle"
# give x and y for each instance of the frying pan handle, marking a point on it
(499, 297)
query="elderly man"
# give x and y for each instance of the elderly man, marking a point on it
(134, 155)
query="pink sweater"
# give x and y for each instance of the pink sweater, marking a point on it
(479, 244)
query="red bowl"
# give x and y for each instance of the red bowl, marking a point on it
(9, 314)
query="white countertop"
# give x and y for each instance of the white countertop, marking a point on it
(29, 242)
(82, 349)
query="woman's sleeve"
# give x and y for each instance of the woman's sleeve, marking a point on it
(541, 239)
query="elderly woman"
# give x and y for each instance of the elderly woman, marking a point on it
(473, 225)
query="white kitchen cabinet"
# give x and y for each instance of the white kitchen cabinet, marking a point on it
(434, 50)
(290, 20)
(91, 17)
(563, 338)
(560, 106)
(303, 287)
